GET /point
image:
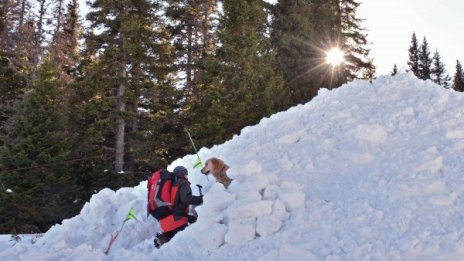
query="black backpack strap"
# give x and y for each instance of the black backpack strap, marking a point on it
(164, 176)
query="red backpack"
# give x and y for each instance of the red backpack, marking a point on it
(161, 194)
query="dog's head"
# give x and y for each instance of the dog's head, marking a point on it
(213, 165)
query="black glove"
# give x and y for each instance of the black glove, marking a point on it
(198, 200)
(191, 219)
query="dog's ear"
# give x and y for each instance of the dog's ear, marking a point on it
(216, 163)
(220, 164)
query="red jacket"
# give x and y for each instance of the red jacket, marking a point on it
(182, 199)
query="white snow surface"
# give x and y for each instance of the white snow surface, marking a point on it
(367, 171)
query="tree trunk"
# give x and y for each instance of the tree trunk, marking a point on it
(189, 65)
(121, 107)
(38, 39)
(121, 125)
(134, 110)
(21, 14)
(59, 15)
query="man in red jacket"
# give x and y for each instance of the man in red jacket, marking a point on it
(179, 219)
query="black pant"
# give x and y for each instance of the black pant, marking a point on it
(170, 234)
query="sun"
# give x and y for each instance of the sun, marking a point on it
(334, 56)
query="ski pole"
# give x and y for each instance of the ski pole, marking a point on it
(130, 215)
(194, 147)
(113, 238)
(196, 151)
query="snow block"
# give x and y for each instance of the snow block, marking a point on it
(250, 209)
(252, 167)
(218, 198)
(241, 231)
(278, 210)
(211, 237)
(271, 192)
(259, 181)
(267, 225)
(292, 196)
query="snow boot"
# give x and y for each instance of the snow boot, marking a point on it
(160, 239)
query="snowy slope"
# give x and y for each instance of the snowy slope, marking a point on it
(363, 172)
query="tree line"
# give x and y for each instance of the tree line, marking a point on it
(430, 67)
(102, 100)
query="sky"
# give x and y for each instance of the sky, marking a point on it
(391, 23)
(367, 171)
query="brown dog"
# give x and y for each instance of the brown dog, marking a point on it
(218, 168)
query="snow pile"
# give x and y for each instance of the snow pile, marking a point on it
(366, 171)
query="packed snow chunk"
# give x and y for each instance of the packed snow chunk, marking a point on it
(249, 209)
(207, 235)
(271, 192)
(370, 133)
(292, 137)
(240, 172)
(248, 195)
(218, 198)
(84, 253)
(431, 166)
(267, 225)
(455, 133)
(363, 158)
(250, 189)
(421, 188)
(292, 196)
(408, 111)
(296, 252)
(241, 231)
(259, 181)
(279, 211)
(270, 255)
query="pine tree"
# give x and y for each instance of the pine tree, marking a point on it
(425, 62)
(458, 82)
(126, 59)
(304, 31)
(6, 25)
(413, 61)
(12, 81)
(395, 70)
(18, 36)
(24, 7)
(192, 23)
(325, 22)
(354, 40)
(12, 86)
(59, 14)
(39, 39)
(292, 37)
(447, 81)
(12, 17)
(369, 73)
(32, 163)
(438, 71)
(64, 46)
(246, 88)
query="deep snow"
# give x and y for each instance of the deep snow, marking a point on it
(362, 172)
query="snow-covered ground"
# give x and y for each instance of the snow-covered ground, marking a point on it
(362, 172)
